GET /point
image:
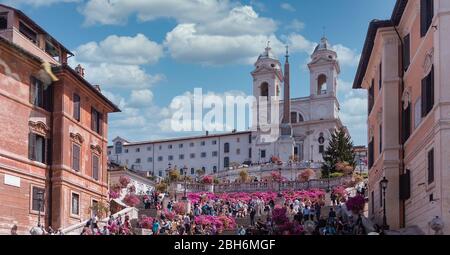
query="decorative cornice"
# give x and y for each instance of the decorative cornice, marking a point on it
(406, 98)
(39, 127)
(96, 148)
(428, 61)
(77, 137)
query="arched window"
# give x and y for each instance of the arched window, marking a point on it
(300, 118)
(226, 148)
(118, 147)
(294, 117)
(226, 162)
(322, 84)
(264, 89)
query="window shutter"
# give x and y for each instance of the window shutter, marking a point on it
(430, 166)
(431, 88)
(424, 97)
(31, 146)
(100, 123)
(380, 78)
(423, 18)
(406, 52)
(48, 98)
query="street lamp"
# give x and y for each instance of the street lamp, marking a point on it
(40, 194)
(383, 184)
(185, 173)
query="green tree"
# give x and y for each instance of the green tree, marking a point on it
(340, 149)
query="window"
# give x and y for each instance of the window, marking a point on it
(160, 173)
(150, 159)
(427, 96)
(203, 154)
(371, 154)
(180, 145)
(263, 153)
(52, 50)
(96, 165)
(37, 92)
(76, 157)
(264, 90)
(36, 148)
(214, 169)
(294, 117)
(431, 166)
(426, 16)
(406, 52)
(160, 158)
(238, 151)
(192, 171)
(214, 153)
(406, 123)
(371, 96)
(94, 207)
(250, 152)
(28, 32)
(192, 155)
(170, 146)
(202, 143)
(322, 84)
(372, 199)
(138, 161)
(226, 148)
(417, 113)
(250, 138)
(76, 107)
(181, 156)
(109, 152)
(321, 149)
(138, 149)
(300, 118)
(170, 157)
(37, 202)
(214, 142)
(126, 150)
(118, 147)
(75, 204)
(238, 140)
(149, 148)
(381, 139)
(96, 123)
(380, 77)
(226, 162)
(3, 21)
(191, 144)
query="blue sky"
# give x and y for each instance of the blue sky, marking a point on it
(143, 53)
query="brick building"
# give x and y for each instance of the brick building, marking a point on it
(405, 68)
(53, 137)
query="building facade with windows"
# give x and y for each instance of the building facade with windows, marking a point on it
(306, 125)
(404, 67)
(54, 126)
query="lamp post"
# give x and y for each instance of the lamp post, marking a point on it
(383, 184)
(185, 173)
(41, 200)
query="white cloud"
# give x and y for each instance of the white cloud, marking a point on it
(295, 25)
(37, 3)
(142, 97)
(287, 7)
(186, 44)
(298, 43)
(125, 50)
(346, 55)
(117, 11)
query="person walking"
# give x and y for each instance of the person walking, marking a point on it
(252, 216)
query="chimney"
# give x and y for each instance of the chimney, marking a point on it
(80, 70)
(97, 87)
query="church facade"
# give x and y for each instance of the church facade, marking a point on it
(305, 125)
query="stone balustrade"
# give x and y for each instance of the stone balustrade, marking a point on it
(265, 186)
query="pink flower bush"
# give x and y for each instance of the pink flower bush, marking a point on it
(124, 181)
(113, 194)
(279, 216)
(179, 208)
(146, 222)
(340, 193)
(132, 189)
(207, 179)
(356, 204)
(169, 215)
(220, 222)
(131, 200)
